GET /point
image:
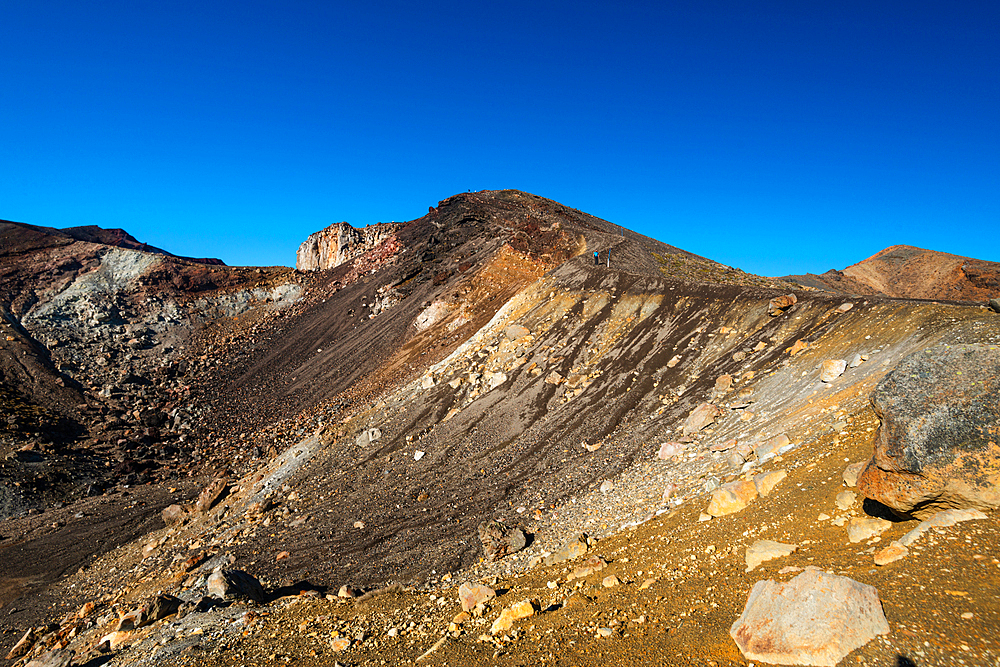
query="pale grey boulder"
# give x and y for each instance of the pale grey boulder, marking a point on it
(817, 618)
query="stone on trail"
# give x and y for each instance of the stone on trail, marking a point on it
(864, 528)
(891, 553)
(610, 581)
(211, 494)
(766, 482)
(816, 618)
(56, 658)
(940, 520)
(607, 485)
(700, 417)
(765, 550)
(832, 369)
(499, 540)
(731, 498)
(23, 645)
(234, 584)
(851, 473)
(723, 383)
(674, 360)
(473, 595)
(522, 609)
(939, 442)
(797, 347)
(845, 499)
(844, 307)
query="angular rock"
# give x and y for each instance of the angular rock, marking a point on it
(851, 473)
(234, 584)
(832, 369)
(499, 540)
(59, 657)
(766, 482)
(473, 595)
(515, 331)
(522, 609)
(731, 498)
(765, 550)
(940, 520)
(700, 417)
(891, 553)
(723, 383)
(174, 514)
(610, 581)
(856, 360)
(211, 494)
(938, 445)
(995, 305)
(779, 304)
(816, 618)
(862, 528)
(669, 449)
(845, 499)
(554, 378)
(674, 360)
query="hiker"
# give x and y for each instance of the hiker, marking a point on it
(596, 260)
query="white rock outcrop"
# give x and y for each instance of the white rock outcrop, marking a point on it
(340, 243)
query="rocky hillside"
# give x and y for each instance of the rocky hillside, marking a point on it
(912, 273)
(471, 444)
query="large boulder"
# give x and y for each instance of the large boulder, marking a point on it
(817, 618)
(499, 540)
(939, 442)
(234, 585)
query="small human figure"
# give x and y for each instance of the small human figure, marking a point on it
(609, 259)
(596, 260)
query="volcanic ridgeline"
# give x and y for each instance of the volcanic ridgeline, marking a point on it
(473, 363)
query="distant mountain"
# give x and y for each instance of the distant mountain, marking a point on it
(18, 237)
(912, 273)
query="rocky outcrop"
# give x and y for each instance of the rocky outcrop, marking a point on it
(340, 243)
(939, 442)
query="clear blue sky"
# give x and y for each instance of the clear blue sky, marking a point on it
(776, 137)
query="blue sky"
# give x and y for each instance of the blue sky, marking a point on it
(779, 137)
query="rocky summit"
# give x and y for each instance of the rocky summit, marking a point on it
(507, 432)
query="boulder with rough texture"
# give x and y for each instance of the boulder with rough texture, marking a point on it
(780, 304)
(522, 609)
(24, 644)
(817, 618)
(234, 584)
(832, 369)
(700, 417)
(211, 494)
(731, 498)
(473, 595)
(939, 442)
(862, 528)
(174, 514)
(499, 540)
(59, 657)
